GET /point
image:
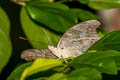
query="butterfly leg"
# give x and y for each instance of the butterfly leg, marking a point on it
(64, 59)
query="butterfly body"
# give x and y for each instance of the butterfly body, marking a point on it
(64, 53)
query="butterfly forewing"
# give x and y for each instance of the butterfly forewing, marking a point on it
(79, 38)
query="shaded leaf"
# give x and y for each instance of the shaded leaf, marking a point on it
(84, 15)
(101, 60)
(111, 41)
(84, 1)
(16, 74)
(40, 65)
(85, 73)
(40, 0)
(58, 76)
(117, 61)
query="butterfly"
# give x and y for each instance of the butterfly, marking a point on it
(74, 42)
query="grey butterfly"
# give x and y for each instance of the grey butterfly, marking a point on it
(74, 42)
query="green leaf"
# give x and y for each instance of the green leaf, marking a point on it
(58, 76)
(84, 1)
(54, 16)
(110, 41)
(117, 61)
(5, 43)
(101, 32)
(84, 15)
(106, 65)
(40, 65)
(85, 73)
(104, 4)
(101, 4)
(101, 60)
(16, 74)
(4, 22)
(78, 78)
(37, 35)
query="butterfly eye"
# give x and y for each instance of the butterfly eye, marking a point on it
(62, 48)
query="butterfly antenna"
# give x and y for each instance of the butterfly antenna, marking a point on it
(45, 35)
(23, 38)
(64, 59)
(37, 41)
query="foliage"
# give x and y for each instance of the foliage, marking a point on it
(5, 43)
(43, 23)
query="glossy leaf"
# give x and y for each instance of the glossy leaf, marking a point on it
(110, 41)
(84, 15)
(101, 60)
(37, 35)
(85, 73)
(54, 16)
(5, 43)
(16, 74)
(40, 65)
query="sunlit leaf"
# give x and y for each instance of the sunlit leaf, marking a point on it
(5, 43)
(40, 65)
(4, 22)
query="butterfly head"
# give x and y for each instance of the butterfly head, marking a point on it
(56, 51)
